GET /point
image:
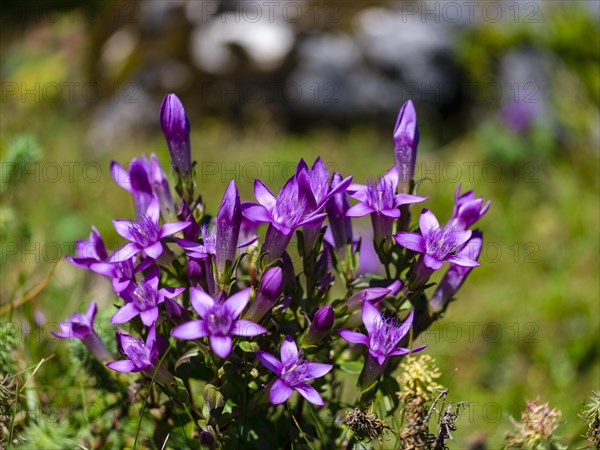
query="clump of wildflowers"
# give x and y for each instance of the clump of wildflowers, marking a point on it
(536, 428)
(207, 294)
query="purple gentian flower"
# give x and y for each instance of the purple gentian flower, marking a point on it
(122, 272)
(219, 321)
(381, 202)
(269, 291)
(80, 326)
(456, 275)
(467, 210)
(229, 220)
(292, 373)
(437, 245)
(176, 128)
(406, 140)
(384, 334)
(145, 234)
(143, 299)
(90, 251)
(284, 215)
(142, 356)
(321, 324)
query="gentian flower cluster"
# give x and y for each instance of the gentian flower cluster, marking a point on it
(202, 303)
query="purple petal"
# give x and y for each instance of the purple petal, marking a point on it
(90, 314)
(399, 351)
(120, 175)
(263, 195)
(407, 199)
(354, 337)
(125, 313)
(171, 292)
(411, 241)
(370, 316)
(313, 221)
(392, 213)
(123, 227)
(126, 252)
(151, 338)
(269, 361)
(341, 186)
(247, 328)
(193, 329)
(149, 316)
(237, 302)
(427, 222)
(153, 211)
(432, 262)
(310, 394)
(359, 210)
(418, 349)
(289, 350)
(280, 392)
(460, 237)
(358, 191)
(172, 227)
(256, 213)
(123, 365)
(461, 260)
(201, 301)
(106, 269)
(316, 370)
(405, 327)
(221, 345)
(392, 176)
(154, 250)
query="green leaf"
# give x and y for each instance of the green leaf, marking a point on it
(352, 367)
(249, 347)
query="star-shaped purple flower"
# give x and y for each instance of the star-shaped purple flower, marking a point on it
(437, 244)
(292, 373)
(284, 215)
(143, 299)
(122, 272)
(219, 321)
(145, 234)
(89, 252)
(467, 210)
(381, 202)
(384, 333)
(81, 326)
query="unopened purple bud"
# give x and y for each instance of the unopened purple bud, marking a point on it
(271, 286)
(207, 440)
(185, 213)
(406, 140)
(321, 324)
(340, 224)
(229, 220)
(456, 275)
(176, 128)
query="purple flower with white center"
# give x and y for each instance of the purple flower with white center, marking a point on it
(384, 334)
(81, 326)
(176, 128)
(229, 221)
(456, 275)
(284, 215)
(271, 287)
(143, 299)
(219, 321)
(406, 140)
(90, 251)
(381, 202)
(467, 210)
(292, 372)
(142, 356)
(145, 234)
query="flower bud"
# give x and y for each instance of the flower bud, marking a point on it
(271, 286)
(406, 140)
(229, 220)
(176, 128)
(320, 326)
(340, 224)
